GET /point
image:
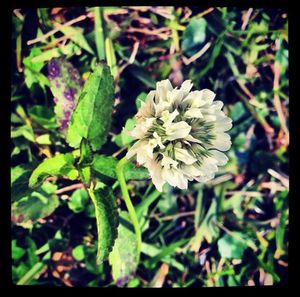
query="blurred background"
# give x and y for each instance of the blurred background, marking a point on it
(232, 231)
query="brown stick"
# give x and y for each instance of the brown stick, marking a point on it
(69, 188)
(69, 23)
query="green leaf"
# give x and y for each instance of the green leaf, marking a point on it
(77, 37)
(78, 200)
(165, 251)
(231, 247)
(194, 36)
(43, 116)
(123, 257)
(143, 76)
(107, 220)
(59, 165)
(16, 251)
(111, 56)
(123, 138)
(69, 50)
(152, 251)
(92, 117)
(25, 131)
(78, 253)
(66, 85)
(139, 99)
(104, 165)
(29, 210)
(207, 228)
(19, 180)
(32, 70)
(43, 139)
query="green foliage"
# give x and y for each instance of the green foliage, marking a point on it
(232, 246)
(92, 117)
(105, 165)
(32, 70)
(230, 231)
(107, 220)
(59, 165)
(37, 205)
(123, 138)
(194, 36)
(123, 257)
(78, 253)
(16, 251)
(19, 181)
(43, 116)
(78, 200)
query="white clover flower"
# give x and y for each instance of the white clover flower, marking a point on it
(180, 135)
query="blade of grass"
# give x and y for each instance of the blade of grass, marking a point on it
(99, 33)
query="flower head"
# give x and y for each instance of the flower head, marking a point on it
(180, 135)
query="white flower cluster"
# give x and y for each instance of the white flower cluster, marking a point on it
(180, 135)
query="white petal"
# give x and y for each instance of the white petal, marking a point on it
(210, 118)
(160, 107)
(217, 105)
(167, 162)
(162, 88)
(155, 171)
(168, 117)
(138, 132)
(208, 96)
(174, 178)
(184, 156)
(135, 148)
(223, 124)
(186, 86)
(220, 157)
(193, 98)
(178, 130)
(193, 113)
(222, 142)
(191, 170)
(192, 139)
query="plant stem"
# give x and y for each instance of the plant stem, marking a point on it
(34, 271)
(99, 34)
(129, 205)
(94, 200)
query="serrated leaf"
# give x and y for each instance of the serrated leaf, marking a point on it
(105, 165)
(123, 257)
(92, 117)
(107, 220)
(59, 165)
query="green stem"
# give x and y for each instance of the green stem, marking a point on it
(129, 205)
(94, 200)
(99, 34)
(34, 271)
